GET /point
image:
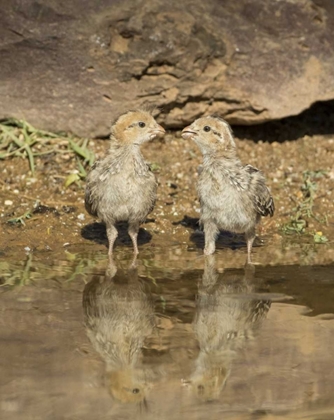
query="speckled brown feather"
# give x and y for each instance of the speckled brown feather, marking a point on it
(227, 318)
(120, 186)
(263, 200)
(119, 315)
(233, 196)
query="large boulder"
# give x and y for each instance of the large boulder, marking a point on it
(74, 65)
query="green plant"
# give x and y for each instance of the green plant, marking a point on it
(18, 138)
(304, 209)
(155, 167)
(34, 268)
(319, 238)
(20, 219)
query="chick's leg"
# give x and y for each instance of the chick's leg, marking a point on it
(210, 231)
(250, 236)
(112, 235)
(133, 233)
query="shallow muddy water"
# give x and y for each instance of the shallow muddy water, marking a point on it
(173, 335)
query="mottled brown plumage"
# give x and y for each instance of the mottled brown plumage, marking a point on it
(121, 187)
(119, 315)
(228, 317)
(233, 196)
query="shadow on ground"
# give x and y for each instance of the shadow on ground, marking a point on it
(225, 239)
(96, 232)
(316, 120)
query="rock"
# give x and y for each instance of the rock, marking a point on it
(76, 65)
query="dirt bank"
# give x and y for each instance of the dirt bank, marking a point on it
(58, 217)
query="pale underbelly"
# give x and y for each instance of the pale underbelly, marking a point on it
(127, 202)
(230, 212)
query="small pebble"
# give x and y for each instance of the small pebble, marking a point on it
(8, 202)
(81, 216)
(27, 249)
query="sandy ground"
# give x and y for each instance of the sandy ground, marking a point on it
(59, 218)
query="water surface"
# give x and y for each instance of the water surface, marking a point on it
(173, 335)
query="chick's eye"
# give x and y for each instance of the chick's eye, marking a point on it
(141, 124)
(135, 390)
(207, 128)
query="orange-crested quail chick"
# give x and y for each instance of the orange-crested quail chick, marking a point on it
(233, 196)
(121, 187)
(119, 315)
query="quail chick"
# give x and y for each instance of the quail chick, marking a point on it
(121, 186)
(227, 319)
(233, 196)
(119, 315)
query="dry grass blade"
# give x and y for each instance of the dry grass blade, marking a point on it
(20, 219)
(19, 138)
(81, 151)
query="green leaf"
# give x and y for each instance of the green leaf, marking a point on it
(82, 170)
(71, 179)
(155, 167)
(81, 151)
(20, 219)
(319, 238)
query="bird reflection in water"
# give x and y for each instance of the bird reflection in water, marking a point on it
(227, 317)
(119, 315)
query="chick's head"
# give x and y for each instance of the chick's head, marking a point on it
(209, 385)
(135, 127)
(212, 135)
(127, 385)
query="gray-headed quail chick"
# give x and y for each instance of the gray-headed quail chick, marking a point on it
(233, 196)
(228, 317)
(121, 186)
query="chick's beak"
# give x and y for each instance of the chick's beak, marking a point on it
(188, 132)
(157, 131)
